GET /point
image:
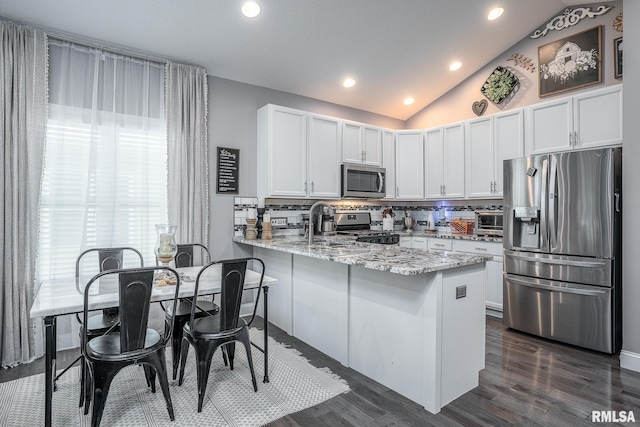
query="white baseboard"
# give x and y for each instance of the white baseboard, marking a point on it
(629, 360)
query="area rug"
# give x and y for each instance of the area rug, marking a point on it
(230, 401)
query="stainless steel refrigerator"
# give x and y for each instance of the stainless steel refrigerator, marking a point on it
(563, 247)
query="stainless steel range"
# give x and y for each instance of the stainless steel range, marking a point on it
(359, 224)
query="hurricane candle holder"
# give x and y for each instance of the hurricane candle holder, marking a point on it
(166, 247)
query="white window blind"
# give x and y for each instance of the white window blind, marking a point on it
(105, 174)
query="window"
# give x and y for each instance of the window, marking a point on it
(105, 174)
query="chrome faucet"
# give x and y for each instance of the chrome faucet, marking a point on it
(318, 203)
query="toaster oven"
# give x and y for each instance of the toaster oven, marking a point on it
(488, 223)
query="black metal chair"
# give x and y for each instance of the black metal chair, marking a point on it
(185, 258)
(100, 324)
(224, 328)
(133, 343)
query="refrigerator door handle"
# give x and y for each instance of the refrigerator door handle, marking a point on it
(535, 284)
(586, 264)
(553, 226)
(544, 231)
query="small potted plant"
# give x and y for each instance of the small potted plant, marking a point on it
(499, 85)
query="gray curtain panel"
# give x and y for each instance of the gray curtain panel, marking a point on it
(23, 98)
(188, 180)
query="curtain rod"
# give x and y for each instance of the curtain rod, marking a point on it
(97, 44)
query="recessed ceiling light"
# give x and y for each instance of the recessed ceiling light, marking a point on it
(250, 9)
(455, 66)
(348, 82)
(495, 13)
(408, 101)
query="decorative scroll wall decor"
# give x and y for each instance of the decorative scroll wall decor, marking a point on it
(522, 61)
(569, 18)
(617, 23)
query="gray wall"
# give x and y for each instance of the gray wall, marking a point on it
(232, 123)
(630, 182)
(456, 104)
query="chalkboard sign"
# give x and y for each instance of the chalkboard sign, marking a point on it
(228, 165)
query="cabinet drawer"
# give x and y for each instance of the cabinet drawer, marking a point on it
(476, 247)
(440, 244)
(419, 243)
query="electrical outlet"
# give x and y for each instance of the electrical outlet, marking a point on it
(279, 222)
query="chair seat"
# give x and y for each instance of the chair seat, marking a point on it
(101, 323)
(209, 326)
(184, 308)
(107, 347)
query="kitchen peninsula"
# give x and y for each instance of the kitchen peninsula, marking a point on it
(412, 320)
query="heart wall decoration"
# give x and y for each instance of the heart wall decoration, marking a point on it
(479, 107)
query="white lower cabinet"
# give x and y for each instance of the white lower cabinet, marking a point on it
(493, 270)
(405, 241)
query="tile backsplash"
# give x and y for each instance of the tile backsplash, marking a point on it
(292, 211)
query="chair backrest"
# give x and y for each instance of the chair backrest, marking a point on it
(232, 283)
(185, 255)
(109, 258)
(135, 286)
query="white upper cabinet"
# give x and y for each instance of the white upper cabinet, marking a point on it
(324, 157)
(298, 154)
(480, 158)
(409, 165)
(444, 162)
(361, 144)
(597, 118)
(282, 152)
(389, 162)
(588, 120)
(490, 141)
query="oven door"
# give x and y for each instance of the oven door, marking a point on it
(363, 181)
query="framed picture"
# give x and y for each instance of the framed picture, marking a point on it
(617, 57)
(570, 63)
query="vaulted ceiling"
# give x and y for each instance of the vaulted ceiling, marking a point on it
(393, 48)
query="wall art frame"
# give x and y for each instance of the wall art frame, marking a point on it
(617, 58)
(570, 63)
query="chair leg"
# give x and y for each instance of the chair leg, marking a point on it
(150, 376)
(184, 349)
(244, 337)
(82, 381)
(230, 350)
(102, 377)
(204, 356)
(176, 340)
(159, 365)
(87, 389)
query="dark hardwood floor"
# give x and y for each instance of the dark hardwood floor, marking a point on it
(527, 381)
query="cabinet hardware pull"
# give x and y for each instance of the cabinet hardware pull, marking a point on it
(305, 186)
(480, 249)
(397, 191)
(312, 187)
(571, 139)
(576, 142)
(440, 245)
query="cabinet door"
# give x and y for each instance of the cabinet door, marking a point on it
(480, 155)
(372, 146)
(409, 166)
(453, 178)
(324, 157)
(508, 143)
(351, 148)
(405, 241)
(550, 127)
(598, 118)
(389, 162)
(288, 153)
(493, 284)
(433, 163)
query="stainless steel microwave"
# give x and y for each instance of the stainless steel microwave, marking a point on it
(363, 181)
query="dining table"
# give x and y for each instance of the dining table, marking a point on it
(58, 297)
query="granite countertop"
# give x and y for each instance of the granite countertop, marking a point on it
(391, 258)
(494, 239)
